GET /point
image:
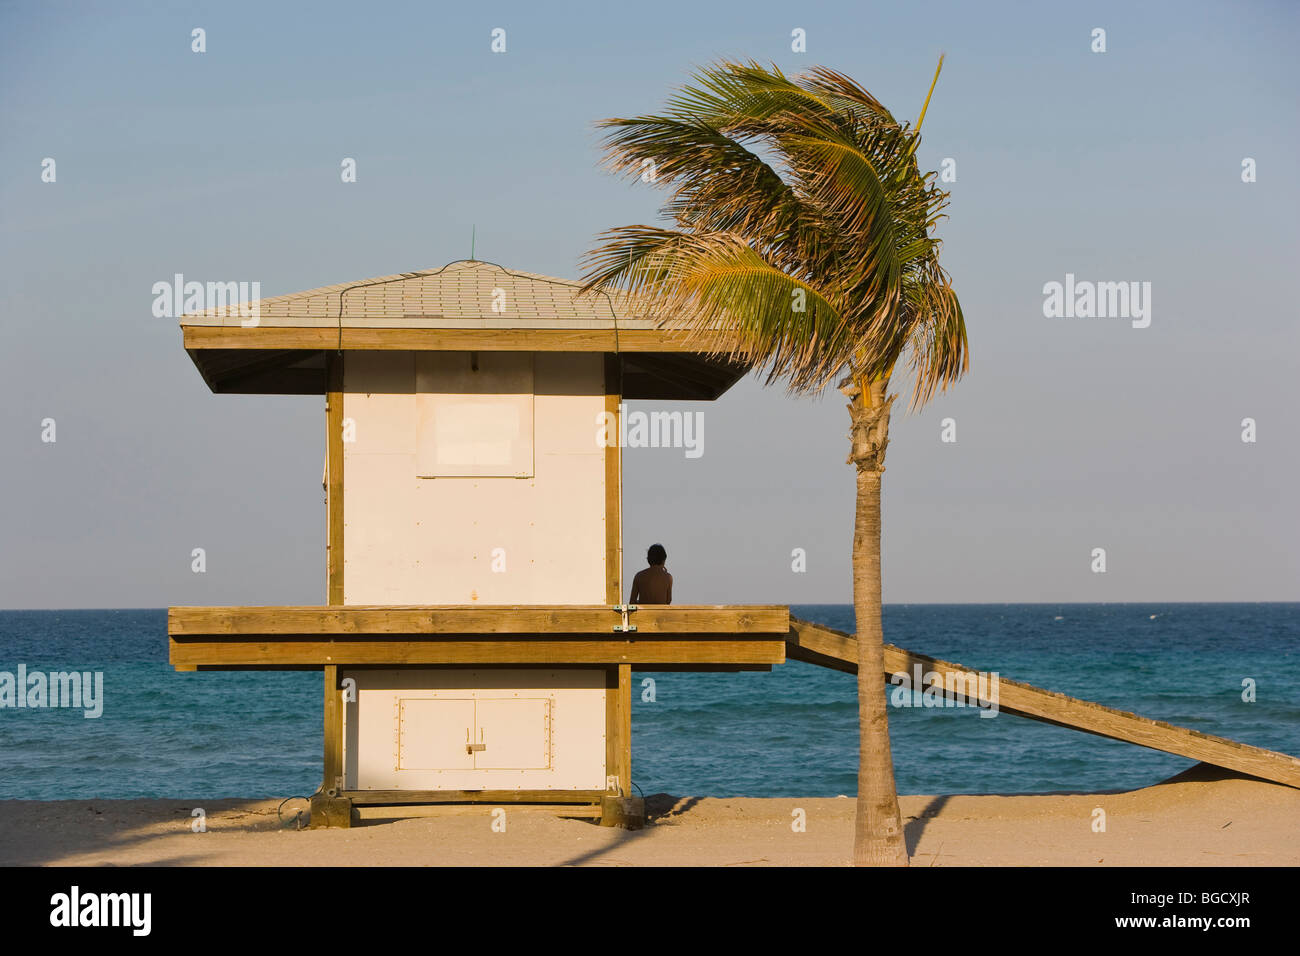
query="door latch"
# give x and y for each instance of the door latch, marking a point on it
(625, 610)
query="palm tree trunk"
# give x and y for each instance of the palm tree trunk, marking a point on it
(878, 829)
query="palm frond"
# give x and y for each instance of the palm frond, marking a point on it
(788, 189)
(727, 298)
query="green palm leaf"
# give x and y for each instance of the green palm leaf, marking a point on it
(777, 184)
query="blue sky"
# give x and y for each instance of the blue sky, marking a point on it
(1072, 433)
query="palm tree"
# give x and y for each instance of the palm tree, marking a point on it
(801, 244)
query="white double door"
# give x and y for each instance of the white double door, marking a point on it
(479, 729)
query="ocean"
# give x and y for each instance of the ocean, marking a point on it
(791, 732)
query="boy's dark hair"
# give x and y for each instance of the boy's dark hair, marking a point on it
(656, 554)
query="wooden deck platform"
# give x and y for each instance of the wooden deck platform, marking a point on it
(705, 637)
(680, 637)
(827, 647)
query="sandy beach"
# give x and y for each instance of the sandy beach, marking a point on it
(1204, 817)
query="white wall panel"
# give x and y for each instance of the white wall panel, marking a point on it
(430, 540)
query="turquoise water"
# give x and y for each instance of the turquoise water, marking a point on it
(791, 732)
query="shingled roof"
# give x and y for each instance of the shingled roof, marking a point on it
(464, 294)
(463, 306)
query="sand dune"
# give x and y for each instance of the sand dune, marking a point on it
(1202, 817)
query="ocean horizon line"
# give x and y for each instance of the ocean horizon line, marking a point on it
(886, 604)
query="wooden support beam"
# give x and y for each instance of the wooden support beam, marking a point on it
(701, 668)
(407, 811)
(618, 678)
(624, 718)
(331, 337)
(619, 808)
(332, 778)
(613, 487)
(334, 479)
(613, 750)
(697, 649)
(618, 729)
(360, 621)
(828, 647)
(636, 668)
(328, 809)
(384, 797)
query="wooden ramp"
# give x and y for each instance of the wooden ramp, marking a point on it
(827, 647)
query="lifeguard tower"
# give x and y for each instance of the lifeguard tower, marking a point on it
(474, 643)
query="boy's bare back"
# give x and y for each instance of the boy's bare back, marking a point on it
(654, 585)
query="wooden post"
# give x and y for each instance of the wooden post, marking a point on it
(624, 714)
(618, 808)
(618, 729)
(328, 808)
(618, 704)
(334, 478)
(613, 487)
(333, 776)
